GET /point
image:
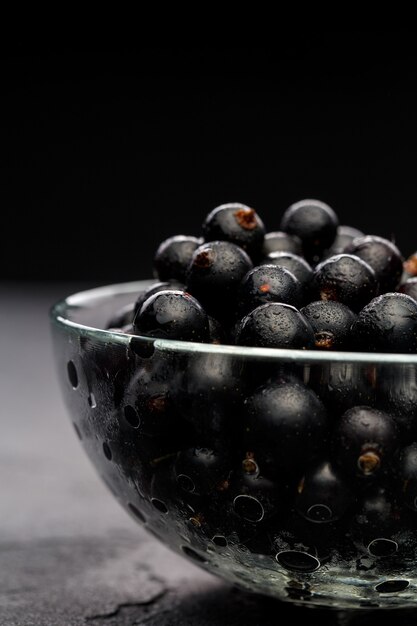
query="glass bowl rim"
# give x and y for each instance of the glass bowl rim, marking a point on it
(59, 316)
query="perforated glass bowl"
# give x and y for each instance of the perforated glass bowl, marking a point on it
(134, 445)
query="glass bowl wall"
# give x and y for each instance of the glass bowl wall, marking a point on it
(134, 415)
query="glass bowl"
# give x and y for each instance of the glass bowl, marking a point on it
(163, 423)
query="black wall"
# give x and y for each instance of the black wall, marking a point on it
(109, 148)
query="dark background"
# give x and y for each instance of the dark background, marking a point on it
(109, 148)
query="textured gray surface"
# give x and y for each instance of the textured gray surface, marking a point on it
(69, 555)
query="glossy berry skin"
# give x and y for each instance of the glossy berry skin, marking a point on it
(406, 470)
(388, 324)
(236, 223)
(268, 283)
(397, 395)
(409, 288)
(345, 278)
(208, 395)
(172, 315)
(314, 222)
(275, 325)
(332, 323)
(342, 386)
(285, 425)
(173, 257)
(214, 276)
(297, 265)
(344, 237)
(323, 495)
(364, 442)
(199, 470)
(154, 288)
(279, 241)
(384, 258)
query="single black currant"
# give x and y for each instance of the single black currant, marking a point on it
(173, 257)
(397, 395)
(172, 315)
(314, 222)
(297, 265)
(208, 395)
(345, 278)
(332, 323)
(285, 425)
(268, 283)
(364, 442)
(384, 258)
(236, 223)
(214, 276)
(387, 324)
(343, 385)
(275, 325)
(154, 288)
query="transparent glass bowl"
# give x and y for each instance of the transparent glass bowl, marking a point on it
(135, 415)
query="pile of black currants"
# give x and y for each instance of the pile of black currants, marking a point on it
(266, 453)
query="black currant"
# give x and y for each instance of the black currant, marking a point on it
(387, 324)
(214, 275)
(345, 278)
(275, 325)
(397, 395)
(384, 258)
(268, 283)
(332, 323)
(343, 385)
(173, 257)
(209, 395)
(364, 442)
(297, 265)
(172, 315)
(236, 223)
(285, 425)
(314, 222)
(154, 288)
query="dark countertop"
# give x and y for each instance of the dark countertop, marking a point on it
(69, 555)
